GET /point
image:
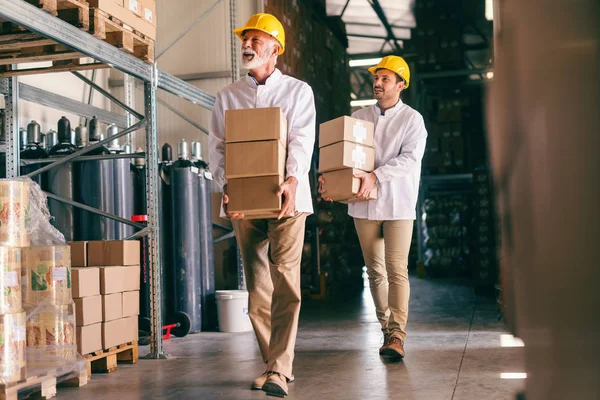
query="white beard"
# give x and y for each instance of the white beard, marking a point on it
(257, 61)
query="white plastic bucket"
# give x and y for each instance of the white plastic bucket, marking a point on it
(232, 308)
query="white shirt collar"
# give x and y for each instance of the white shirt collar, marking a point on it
(273, 78)
(389, 111)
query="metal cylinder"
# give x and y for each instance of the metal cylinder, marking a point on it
(33, 133)
(183, 150)
(207, 266)
(112, 130)
(64, 130)
(35, 151)
(43, 140)
(51, 139)
(166, 248)
(81, 136)
(101, 196)
(186, 243)
(126, 148)
(94, 130)
(61, 181)
(124, 204)
(22, 138)
(196, 150)
(167, 153)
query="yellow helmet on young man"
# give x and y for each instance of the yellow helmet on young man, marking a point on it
(395, 64)
(266, 23)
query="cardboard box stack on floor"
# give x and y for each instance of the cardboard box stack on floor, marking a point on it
(138, 14)
(255, 156)
(106, 286)
(346, 148)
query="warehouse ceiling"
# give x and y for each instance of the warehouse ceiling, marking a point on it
(374, 26)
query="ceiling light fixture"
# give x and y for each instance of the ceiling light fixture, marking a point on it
(362, 103)
(364, 62)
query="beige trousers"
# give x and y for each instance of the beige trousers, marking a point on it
(272, 252)
(385, 246)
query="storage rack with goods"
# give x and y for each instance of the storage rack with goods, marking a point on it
(35, 20)
(450, 56)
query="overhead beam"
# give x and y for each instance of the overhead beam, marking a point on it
(383, 18)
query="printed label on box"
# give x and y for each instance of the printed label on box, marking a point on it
(133, 5)
(20, 334)
(148, 14)
(11, 279)
(359, 132)
(59, 274)
(359, 157)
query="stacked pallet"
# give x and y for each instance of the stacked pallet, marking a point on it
(134, 32)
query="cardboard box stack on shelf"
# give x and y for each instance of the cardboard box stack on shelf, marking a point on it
(485, 244)
(106, 284)
(255, 156)
(346, 149)
(140, 15)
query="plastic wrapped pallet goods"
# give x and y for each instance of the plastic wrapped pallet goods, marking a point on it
(10, 280)
(14, 213)
(12, 348)
(37, 314)
(46, 276)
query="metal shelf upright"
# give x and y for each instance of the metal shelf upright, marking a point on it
(38, 21)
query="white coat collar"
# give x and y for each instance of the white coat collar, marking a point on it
(272, 79)
(390, 111)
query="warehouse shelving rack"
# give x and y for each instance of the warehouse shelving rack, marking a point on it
(38, 21)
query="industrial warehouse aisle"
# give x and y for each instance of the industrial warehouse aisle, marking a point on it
(453, 352)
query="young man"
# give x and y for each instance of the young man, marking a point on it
(271, 248)
(385, 225)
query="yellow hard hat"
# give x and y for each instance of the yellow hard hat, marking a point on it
(266, 23)
(395, 64)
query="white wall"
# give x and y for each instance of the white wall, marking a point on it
(206, 48)
(65, 84)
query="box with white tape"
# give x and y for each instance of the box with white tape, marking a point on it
(346, 155)
(346, 129)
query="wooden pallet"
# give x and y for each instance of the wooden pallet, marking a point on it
(19, 46)
(43, 385)
(105, 361)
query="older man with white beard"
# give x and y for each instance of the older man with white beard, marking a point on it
(271, 248)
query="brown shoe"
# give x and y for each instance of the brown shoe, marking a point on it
(386, 339)
(394, 348)
(276, 385)
(260, 381)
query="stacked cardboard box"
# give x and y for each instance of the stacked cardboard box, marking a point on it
(255, 156)
(346, 148)
(138, 14)
(106, 286)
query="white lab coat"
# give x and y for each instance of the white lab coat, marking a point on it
(400, 138)
(296, 100)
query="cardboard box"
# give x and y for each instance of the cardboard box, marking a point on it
(111, 279)
(341, 185)
(88, 310)
(119, 331)
(131, 303)
(348, 129)
(255, 124)
(346, 155)
(254, 195)
(112, 307)
(135, 6)
(131, 278)
(89, 338)
(113, 252)
(120, 11)
(251, 159)
(78, 254)
(85, 282)
(149, 11)
(119, 279)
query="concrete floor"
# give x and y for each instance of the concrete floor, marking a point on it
(453, 353)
